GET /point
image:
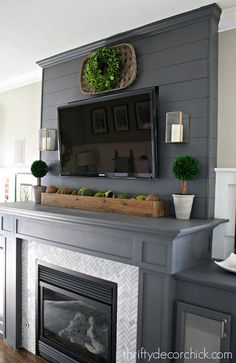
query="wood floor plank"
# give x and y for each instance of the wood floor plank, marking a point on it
(9, 355)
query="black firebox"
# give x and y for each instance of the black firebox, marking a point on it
(76, 316)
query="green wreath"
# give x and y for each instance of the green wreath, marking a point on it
(104, 69)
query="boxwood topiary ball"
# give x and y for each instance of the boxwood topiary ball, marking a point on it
(39, 168)
(186, 168)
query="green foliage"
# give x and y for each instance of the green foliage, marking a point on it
(104, 69)
(186, 168)
(39, 168)
(86, 192)
(108, 194)
(99, 194)
(141, 197)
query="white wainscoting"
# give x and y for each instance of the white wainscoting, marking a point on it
(10, 180)
(225, 207)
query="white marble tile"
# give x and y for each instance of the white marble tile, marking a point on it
(126, 276)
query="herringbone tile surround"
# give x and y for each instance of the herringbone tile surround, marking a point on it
(125, 276)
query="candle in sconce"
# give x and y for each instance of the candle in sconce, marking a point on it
(47, 139)
(47, 143)
(177, 133)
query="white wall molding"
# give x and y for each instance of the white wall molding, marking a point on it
(228, 19)
(22, 80)
(225, 207)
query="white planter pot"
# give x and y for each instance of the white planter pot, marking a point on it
(183, 205)
(38, 189)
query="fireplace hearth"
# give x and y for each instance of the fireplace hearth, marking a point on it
(76, 316)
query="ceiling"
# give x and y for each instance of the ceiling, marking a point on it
(31, 30)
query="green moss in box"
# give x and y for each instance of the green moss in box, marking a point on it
(141, 197)
(86, 192)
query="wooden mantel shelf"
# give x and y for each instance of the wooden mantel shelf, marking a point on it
(165, 225)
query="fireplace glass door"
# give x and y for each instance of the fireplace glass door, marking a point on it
(77, 323)
(203, 334)
(80, 324)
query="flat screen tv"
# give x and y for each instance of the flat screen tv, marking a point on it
(113, 136)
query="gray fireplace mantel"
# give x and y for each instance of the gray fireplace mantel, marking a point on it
(109, 220)
(160, 247)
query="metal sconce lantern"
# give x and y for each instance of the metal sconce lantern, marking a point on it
(47, 139)
(177, 127)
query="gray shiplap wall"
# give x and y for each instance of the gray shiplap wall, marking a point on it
(180, 56)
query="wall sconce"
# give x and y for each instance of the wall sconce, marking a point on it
(177, 127)
(47, 139)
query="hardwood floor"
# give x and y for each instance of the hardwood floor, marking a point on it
(9, 355)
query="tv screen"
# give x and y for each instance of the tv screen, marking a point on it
(109, 136)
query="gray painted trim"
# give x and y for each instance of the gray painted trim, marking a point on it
(209, 274)
(212, 11)
(164, 226)
(151, 244)
(13, 307)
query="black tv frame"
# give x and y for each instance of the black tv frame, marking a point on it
(153, 93)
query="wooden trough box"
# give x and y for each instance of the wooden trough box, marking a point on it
(113, 205)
